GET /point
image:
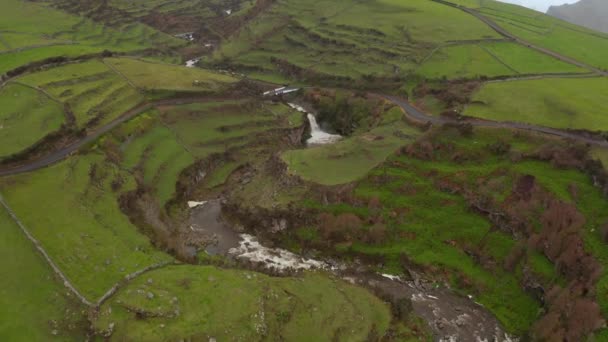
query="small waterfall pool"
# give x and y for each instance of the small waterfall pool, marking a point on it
(318, 136)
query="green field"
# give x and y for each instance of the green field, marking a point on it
(93, 92)
(570, 40)
(31, 296)
(27, 116)
(148, 75)
(74, 213)
(560, 103)
(319, 37)
(201, 303)
(490, 60)
(37, 31)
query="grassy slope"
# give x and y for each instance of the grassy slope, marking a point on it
(76, 220)
(37, 25)
(148, 75)
(158, 155)
(391, 36)
(26, 117)
(560, 103)
(490, 59)
(435, 228)
(574, 41)
(91, 89)
(161, 147)
(352, 158)
(30, 296)
(237, 305)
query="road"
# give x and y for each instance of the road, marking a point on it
(411, 111)
(420, 116)
(66, 151)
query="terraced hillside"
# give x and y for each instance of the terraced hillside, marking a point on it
(208, 19)
(439, 172)
(32, 31)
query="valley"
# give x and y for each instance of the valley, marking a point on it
(386, 170)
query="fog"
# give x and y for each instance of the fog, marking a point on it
(540, 5)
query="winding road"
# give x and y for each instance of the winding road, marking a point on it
(418, 115)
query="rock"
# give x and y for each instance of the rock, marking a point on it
(150, 295)
(54, 332)
(149, 281)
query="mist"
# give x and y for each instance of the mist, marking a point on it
(539, 5)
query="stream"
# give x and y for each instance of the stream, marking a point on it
(450, 316)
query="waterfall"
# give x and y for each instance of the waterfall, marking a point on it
(318, 136)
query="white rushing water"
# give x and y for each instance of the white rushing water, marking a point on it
(317, 135)
(272, 258)
(191, 63)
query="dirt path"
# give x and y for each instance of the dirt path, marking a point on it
(516, 39)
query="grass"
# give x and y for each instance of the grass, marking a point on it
(94, 93)
(491, 60)
(352, 158)
(35, 24)
(27, 116)
(219, 175)
(76, 217)
(159, 157)
(150, 75)
(601, 154)
(560, 103)
(463, 61)
(391, 37)
(159, 146)
(215, 126)
(436, 228)
(201, 302)
(31, 297)
(528, 61)
(574, 41)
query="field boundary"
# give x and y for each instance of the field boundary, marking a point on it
(38, 89)
(128, 278)
(111, 67)
(45, 255)
(502, 31)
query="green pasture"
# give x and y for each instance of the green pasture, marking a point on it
(33, 31)
(574, 103)
(31, 295)
(72, 210)
(94, 93)
(27, 116)
(148, 75)
(201, 303)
